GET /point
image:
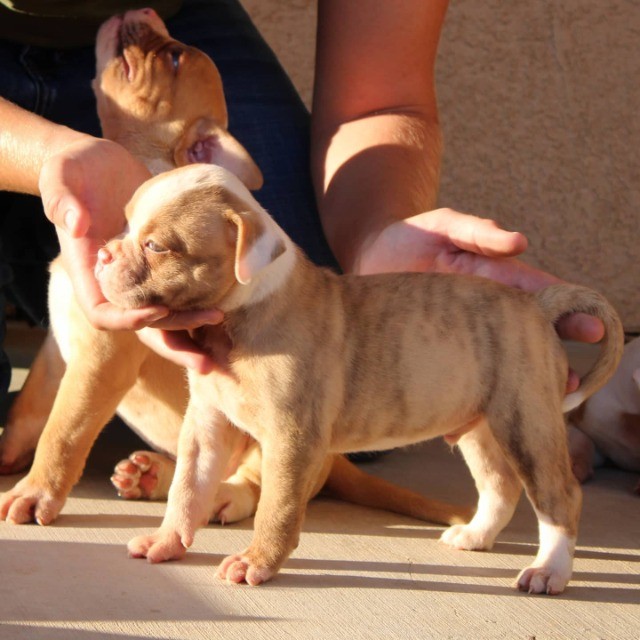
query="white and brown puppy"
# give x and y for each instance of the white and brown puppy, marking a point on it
(163, 101)
(607, 426)
(320, 362)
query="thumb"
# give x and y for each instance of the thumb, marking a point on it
(67, 213)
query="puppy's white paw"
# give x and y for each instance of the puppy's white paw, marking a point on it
(165, 544)
(144, 475)
(28, 502)
(467, 537)
(234, 502)
(542, 580)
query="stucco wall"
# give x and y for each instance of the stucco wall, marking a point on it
(539, 106)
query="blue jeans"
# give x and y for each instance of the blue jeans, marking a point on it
(265, 114)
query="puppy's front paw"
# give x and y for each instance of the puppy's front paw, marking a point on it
(165, 544)
(244, 568)
(467, 537)
(542, 580)
(28, 502)
(234, 502)
(143, 475)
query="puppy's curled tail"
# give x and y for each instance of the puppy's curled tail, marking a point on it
(559, 300)
(349, 483)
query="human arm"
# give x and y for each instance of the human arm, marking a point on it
(84, 183)
(376, 148)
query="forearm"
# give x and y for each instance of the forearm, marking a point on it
(26, 142)
(372, 171)
(375, 137)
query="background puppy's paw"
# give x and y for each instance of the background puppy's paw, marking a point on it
(144, 475)
(466, 537)
(163, 545)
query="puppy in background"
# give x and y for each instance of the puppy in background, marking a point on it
(607, 425)
(164, 102)
(151, 99)
(323, 363)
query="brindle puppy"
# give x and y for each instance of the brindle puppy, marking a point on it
(325, 363)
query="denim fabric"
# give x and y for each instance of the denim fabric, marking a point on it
(265, 114)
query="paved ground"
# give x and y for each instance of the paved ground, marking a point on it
(358, 573)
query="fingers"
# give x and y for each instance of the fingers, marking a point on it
(109, 317)
(507, 270)
(581, 327)
(178, 347)
(189, 319)
(510, 271)
(478, 235)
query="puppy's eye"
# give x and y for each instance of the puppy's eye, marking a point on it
(154, 247)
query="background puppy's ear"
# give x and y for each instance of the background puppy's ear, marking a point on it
(636, 377)
(206, 142)
(257, 245)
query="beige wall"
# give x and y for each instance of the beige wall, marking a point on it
(539, 105)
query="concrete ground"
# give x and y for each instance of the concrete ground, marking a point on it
(358, 573)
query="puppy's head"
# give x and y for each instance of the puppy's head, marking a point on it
(196, 239)
(163, 99)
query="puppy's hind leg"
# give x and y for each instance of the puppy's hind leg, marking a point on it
(498, 486)
(533, 437)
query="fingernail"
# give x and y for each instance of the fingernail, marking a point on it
(69, 220)
(216, 316)
(154, 317)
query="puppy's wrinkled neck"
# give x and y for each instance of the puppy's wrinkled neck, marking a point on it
(254, 322)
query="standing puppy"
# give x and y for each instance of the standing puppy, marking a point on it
(164, 102)
(324, 363)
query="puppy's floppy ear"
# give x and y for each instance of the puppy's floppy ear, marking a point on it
(636, 378)
(257, 244)
(209, 143)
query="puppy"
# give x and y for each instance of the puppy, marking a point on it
(149, 89)
(325, 363)
(150, 99)
(607, 426)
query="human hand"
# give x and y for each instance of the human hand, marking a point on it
(84, 189)
(447, 241)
